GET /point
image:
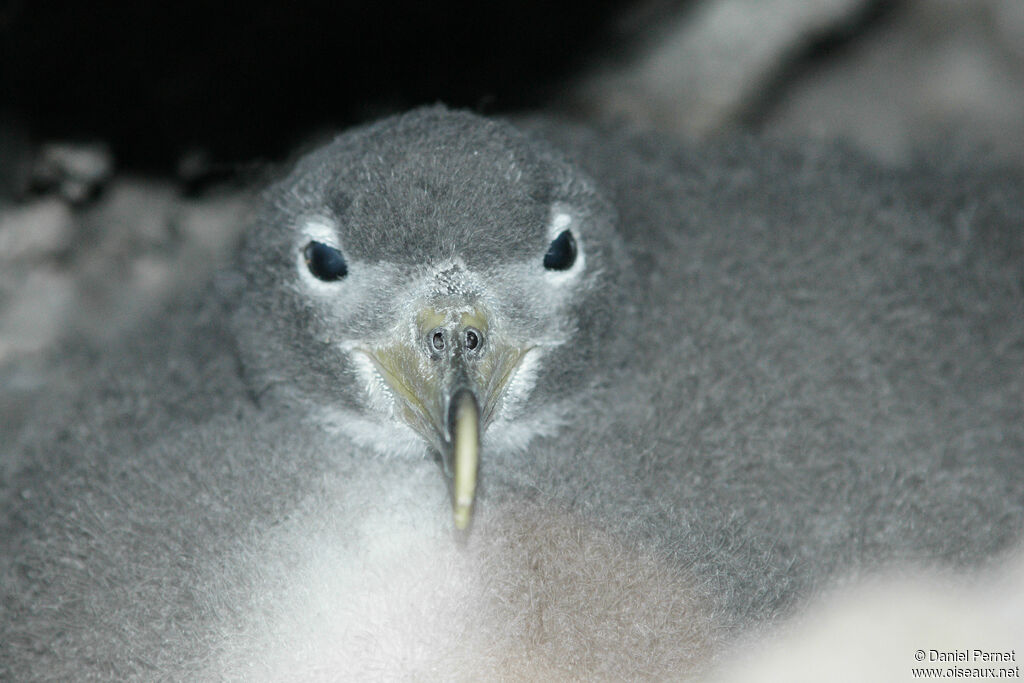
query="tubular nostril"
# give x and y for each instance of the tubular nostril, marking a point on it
(473, 338)
(437, 340)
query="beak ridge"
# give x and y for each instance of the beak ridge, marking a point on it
(464, 428)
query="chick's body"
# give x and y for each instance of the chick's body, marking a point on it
(752, 370)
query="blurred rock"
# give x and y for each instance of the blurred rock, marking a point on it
(936, 72)
(76, 171)
(889, 76)
(700, 73)
(883, 628)
(89, 272)
(33, 232)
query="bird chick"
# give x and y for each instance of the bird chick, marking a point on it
(447, 285)
(674, 391)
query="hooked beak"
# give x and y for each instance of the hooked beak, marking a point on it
(447, 379)
(464, 453)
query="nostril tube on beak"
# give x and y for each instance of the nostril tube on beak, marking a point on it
(472, 339)
(437, 340)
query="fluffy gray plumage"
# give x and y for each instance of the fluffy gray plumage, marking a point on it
(770, 368)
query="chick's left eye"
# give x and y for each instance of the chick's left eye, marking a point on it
(561, 252)
(325, 262)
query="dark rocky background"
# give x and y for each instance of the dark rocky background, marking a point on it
(247, 80)
(128, 129)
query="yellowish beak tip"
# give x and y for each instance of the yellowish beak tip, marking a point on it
(462, 515)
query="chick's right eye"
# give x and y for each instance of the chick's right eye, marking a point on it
(325, 262)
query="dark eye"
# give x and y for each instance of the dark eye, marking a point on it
(562, 252)
(326, 263)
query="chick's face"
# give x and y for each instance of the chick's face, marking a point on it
(433, 283)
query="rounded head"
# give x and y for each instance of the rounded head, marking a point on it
(422, 255)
